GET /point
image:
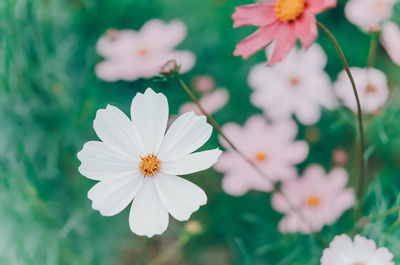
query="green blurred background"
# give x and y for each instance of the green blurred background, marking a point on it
(48, 99)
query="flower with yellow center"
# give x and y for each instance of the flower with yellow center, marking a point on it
(138, 161)
(289, 10)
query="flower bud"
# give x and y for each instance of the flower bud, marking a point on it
(169, 68)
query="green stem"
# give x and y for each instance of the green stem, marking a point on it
(362, 180)
(171, 250)
(372, 50)
(219, 130)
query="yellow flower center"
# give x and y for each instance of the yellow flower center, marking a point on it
(150, 165)
(143, 52)
(261, 157)
(289, 10)
(370, 88)
(358, 264)
(313, 201)
(294, 81)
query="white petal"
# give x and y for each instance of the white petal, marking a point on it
(179, 196)
(111, 196)
(99, 161)
(115, 129)
(186, 134)
(149, 113)
(148, 216)
(191, 163)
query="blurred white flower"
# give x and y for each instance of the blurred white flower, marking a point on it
(371, 86)
(313, 201)
(298, 85)
(369, 14)
(343, 251)
(272, 147)
(135, 161)
(390, 39)
(131, 54)
(211, 102)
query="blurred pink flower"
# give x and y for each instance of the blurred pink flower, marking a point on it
(281, 22)
(131, 54)
(204, 83)
(271, 146)
(298, 85)
(369, 14)
(316, 199)
(211, 102)
(390, 39)
(343, 251)
(371, 86)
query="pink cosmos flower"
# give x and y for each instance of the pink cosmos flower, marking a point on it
(343, 251)
(390, 39)
(281, 22)
(298, 85)
(211, 102)
(131, 54)
(271, 146)
(371, 86)
(369, 14)
(317, 199)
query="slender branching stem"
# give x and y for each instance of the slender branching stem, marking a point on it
(363, 171)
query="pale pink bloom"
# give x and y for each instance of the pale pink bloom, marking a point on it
(390, 39)
(211, 102)
(371, 86)
(280, 22)
(313, 201)
(271, 146)
(343, 251)
(204, 83)
(297, 86)
(131, 54)
(369, 14)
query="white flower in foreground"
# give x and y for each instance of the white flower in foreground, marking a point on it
(298, 85)
(390, 39)
(131, 54)
(371, 87)
(343, 251)
(369, 14)
(135, 161)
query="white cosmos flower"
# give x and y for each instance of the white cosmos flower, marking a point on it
(343, 251)
(137, 161)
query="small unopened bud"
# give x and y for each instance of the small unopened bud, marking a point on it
(112, 34)
(340, 157)
(193, 227)
(169, 68)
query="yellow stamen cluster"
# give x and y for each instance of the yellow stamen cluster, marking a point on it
(143, 52)
(370, 88)
(150, 165)
(289, 10)
(261, 157)
(313, 201)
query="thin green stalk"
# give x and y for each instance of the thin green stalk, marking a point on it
(171, 250)
(363, 171)
(372, 50)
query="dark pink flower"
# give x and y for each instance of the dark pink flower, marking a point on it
(281, 22)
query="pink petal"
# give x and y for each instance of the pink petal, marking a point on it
(390, 39)
(306, 29)
(261, 14)
(318, 6)
(256, 41)
(285, 40)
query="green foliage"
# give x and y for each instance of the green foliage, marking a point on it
(48, 99)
